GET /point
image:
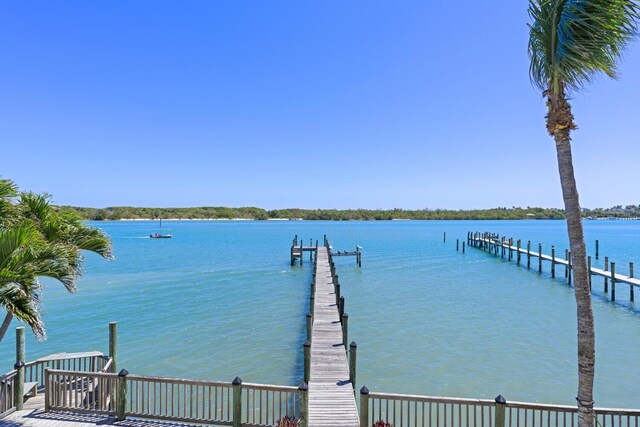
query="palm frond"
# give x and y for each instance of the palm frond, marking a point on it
(571, 41)
(23, 307)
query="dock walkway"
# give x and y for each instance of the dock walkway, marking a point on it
(331, 397)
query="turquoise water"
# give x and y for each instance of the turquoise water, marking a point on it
(220, 299)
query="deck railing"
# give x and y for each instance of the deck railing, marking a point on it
(92, 361)
(82, 392)
(171, 399)
(401, 410)
(34, 373)
(7, 399)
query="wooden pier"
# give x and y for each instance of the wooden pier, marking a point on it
(298, 249)
(331, 390)
(507, 248)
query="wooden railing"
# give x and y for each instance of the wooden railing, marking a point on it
(83, 392)
(427, 411)
(92, 361)
(172, 399)
(7, 396)
(266, 404)
(34, 373)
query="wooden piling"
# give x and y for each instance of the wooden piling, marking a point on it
(341, 307)
(519, 244)
(510, 246)
(309, 326)
(613, 281)
(337, 292)
(589, 270)
(606, 280)
(307, 360)
(352, 363)
(566, 258)
(529, 254)
(121, 395)
(444, 237)
(19, 367)
(364, 407)
(345, 329)
(539, 257)
(597, 249)
(553, 261)
(499, 420)
(113, 345)
(570, 267)
(237, 402)
(303, 405)
(457, 245)
(631, 296)
(462, 247)
(311, 304)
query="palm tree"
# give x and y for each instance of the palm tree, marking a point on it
(36, 240)
(571, 42)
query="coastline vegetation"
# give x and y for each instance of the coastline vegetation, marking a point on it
(253, 213)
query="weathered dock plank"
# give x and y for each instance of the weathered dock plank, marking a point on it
(331, 397)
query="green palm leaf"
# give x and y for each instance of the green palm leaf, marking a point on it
(571, 41)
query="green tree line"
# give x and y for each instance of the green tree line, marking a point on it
(128, 212)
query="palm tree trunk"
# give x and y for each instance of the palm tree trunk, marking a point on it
(586, 332)
(5, 325)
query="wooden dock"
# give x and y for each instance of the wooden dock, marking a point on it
(331, 394)
(503, 247)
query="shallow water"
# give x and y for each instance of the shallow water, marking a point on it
(220, 299)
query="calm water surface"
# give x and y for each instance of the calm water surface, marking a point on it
(220, 300)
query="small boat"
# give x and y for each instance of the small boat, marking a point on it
(160, 236)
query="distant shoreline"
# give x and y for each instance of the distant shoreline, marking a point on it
(222, 213)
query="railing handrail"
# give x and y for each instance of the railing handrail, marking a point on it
(81, 373)
(270, 387)
(173, 380)
(65, 356)
(434, 399)
(509, 404)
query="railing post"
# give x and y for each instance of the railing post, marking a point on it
(307, 360)
(113, 344)
(309, 325)
(237, 402)
(364, 407)
(48, 390)
(303, 404)
(345, 329)
(121, 395)
(19, 367)
(500, 411)
(352, 364)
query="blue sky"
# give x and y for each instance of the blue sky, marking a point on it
(277, 104)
